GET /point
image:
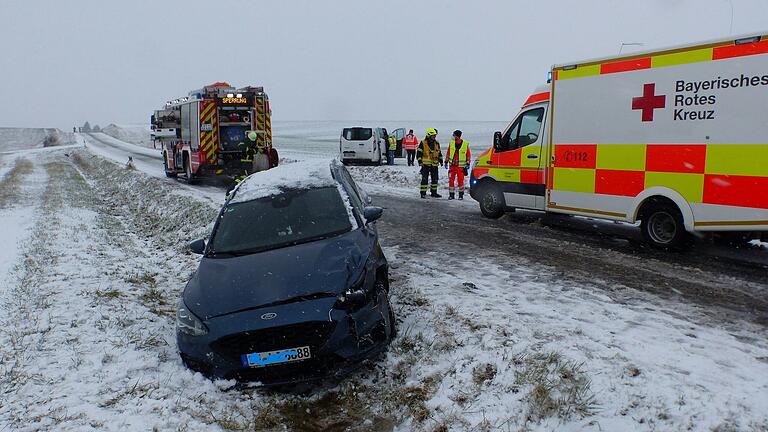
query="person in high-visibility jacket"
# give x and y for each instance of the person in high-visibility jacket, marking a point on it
(457, 162)
(391, 149)
(429, 156)
(258, 152)
(410, 142)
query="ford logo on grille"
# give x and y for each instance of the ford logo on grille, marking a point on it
(269, 316)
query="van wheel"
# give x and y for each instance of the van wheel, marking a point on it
(492, 202)
(662, 225)
(168, 173)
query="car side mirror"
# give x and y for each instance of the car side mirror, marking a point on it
(497, 140)
(197, 246)
(372, 214)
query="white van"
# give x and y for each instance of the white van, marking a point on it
(363, 145)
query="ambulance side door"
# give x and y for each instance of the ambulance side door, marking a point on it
(519, 160)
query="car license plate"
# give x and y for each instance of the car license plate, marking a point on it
(276, 357)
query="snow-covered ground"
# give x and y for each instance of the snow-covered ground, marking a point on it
(98, 262)
(23, 138)
(138, 134)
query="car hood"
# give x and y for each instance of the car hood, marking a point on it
(323, 268)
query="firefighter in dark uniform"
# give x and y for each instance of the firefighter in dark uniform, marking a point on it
(429, 157)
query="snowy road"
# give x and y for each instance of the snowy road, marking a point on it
(609, 256)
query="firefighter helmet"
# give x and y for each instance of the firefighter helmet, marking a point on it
(252, 135)
(431, 132)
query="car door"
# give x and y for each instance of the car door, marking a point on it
(399, 135)
(381, 142)
(518, 160)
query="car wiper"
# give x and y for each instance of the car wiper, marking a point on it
(230, 254)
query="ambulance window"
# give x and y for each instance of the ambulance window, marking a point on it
(509, 136)
(530, 126)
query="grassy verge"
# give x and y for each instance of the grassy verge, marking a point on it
(10, 184)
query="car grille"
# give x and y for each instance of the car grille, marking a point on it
(312, 334)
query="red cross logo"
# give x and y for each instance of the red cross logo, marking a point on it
(648, 102)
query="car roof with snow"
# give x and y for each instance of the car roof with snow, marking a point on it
(300, 175)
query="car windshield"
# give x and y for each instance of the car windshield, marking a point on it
(358, 134)
(294, 216)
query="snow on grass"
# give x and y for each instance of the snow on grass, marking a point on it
(91, 327)
(514, 348)
(11, 182)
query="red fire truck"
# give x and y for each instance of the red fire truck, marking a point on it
(206, 132)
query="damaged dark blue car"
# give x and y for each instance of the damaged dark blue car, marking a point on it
(293, 285)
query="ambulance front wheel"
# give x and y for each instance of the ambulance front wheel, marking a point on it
(492, 202)
(662, 225)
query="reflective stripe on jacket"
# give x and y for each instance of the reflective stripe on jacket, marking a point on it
(464, 154)
(392, 143)
(410, 142)
(428, 155)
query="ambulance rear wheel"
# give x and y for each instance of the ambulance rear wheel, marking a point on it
(492, 202)
(662, 225)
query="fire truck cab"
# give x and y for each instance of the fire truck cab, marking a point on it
(206, 132)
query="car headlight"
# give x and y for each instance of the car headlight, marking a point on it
(187, 322)
(354, 297)
(474, 164)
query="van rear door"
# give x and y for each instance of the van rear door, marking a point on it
(399, 135)
(357, 143)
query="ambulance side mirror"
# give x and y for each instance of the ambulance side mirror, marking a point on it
(497, 140)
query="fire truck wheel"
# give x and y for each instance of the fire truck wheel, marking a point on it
(189, 177)
(492, 201)
(662, 225)
(168, 173)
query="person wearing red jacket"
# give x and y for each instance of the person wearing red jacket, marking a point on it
(410, 143)
(457, 160)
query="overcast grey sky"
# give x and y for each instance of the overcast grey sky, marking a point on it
(64, 62)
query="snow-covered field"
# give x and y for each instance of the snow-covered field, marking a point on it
(322, 137)
(95, 258)
(132, 133)
(21, 138)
